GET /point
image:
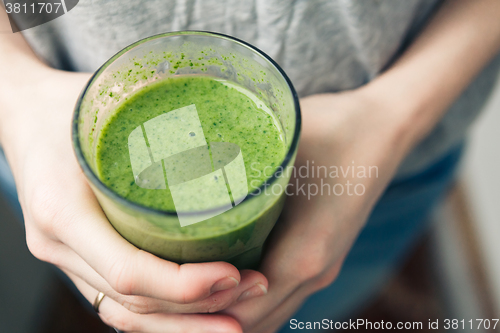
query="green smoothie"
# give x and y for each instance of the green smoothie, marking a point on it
(227, 113)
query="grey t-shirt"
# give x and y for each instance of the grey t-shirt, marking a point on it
(323, 45)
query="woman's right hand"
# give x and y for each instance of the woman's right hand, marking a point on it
(65, 225)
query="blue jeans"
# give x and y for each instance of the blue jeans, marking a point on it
(398, 219)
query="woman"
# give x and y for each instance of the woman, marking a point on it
(386, 83)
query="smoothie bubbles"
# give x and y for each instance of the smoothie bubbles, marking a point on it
(201, 177)
(182, 136)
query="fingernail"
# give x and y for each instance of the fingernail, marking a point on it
(255, 291)
(224, 284)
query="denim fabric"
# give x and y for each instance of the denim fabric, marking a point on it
(7, 185)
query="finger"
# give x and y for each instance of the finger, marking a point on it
(253, 310)
(146, 305)
(129, 270)
(278, 316)
(284, 281)
(114, 315)
(271, 317)
(266, 314)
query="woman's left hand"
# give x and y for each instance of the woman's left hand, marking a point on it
(326, 210)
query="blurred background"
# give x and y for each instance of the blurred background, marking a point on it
(453, 273)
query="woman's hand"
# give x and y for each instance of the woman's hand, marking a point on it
(325, 211)
(373, 126)
(65, 225)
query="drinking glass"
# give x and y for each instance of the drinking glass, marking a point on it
(234, 235)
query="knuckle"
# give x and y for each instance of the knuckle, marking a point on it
(311, 268)
(121, 321)
(315, 264)
(326, 278)
(122, 279)
(216, 304)
(187, 291)
(138, 305)
(323, 281)
(186, 296)
(46, 209)
(40, 248)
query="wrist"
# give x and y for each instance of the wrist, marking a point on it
(37, 113)
(21, 95)
(408, 113)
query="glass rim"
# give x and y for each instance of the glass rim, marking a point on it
(96, 181)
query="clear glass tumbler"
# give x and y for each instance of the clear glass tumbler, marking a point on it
(235, 235)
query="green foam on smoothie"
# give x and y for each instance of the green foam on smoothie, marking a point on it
(227, 113)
